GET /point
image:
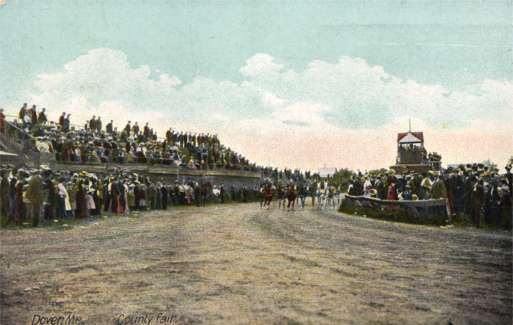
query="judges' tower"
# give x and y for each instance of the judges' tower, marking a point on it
(411, 154)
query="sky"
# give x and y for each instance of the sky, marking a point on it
(298, 84)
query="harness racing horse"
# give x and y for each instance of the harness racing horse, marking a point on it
(268, 195)
(281, 196)
(302, 193)
(330, 197)
(320, 194)
(291, 196)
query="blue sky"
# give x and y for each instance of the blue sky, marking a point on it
(462, 47)
(446, 42)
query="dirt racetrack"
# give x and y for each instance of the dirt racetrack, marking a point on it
(237, 264)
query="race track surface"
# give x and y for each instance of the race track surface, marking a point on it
(238, 264)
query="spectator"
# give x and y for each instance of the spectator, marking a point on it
(2, 121)
(34, 196)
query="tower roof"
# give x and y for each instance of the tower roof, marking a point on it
(410, 137)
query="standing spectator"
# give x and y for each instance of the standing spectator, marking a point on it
(34, 196)
(135, 129)
(509, 177)
(63, 204)
(19, 204)
(81, 203)
(146, 131)
(33, 115)
(92, 123)
(425, 187)
(165, 196)
(468, 187)
(22, 112)
(12, 198)
(451, 184)
(61, 119)
(66, 123)
(99, 124)
(438, 189)
(477, 202)
(506, 213)
(52, 201)
(4, 195)
(2, 121)
(221, 193)
(158, 197)
(127, 128)
(27, 120)
(392, 191)
(90, 204)
(492, 204)
(42, 119)
(109, 127)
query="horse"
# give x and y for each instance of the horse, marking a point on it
(268, 195)
(330, 196)
(302, 193)
(291, 196)
(321, 195)
(281, 196)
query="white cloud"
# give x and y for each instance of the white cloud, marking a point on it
(272, 100)
(260, 64)
(344, 113)
(302, 114)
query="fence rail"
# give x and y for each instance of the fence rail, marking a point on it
(420, 211)
(163, 170)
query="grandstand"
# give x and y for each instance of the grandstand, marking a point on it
(34, 141)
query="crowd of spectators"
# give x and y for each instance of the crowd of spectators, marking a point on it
(95, 144)
(416, 154)
(475, 192)
(34, 195)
